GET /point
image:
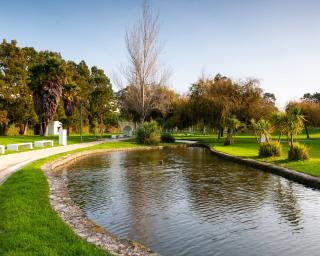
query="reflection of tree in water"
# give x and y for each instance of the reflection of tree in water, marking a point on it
(216, 186)
(152, 188)
(286, 202)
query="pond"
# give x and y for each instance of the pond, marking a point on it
(185, 201)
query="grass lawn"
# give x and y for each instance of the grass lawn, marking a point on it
(28, 224)
(72, 139)
(247, 147)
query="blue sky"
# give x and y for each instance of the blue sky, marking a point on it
(276, 41)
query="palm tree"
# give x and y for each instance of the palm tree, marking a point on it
(262, 128)
(46, 82)
(279, 122)
(294, 123)
(232, 124)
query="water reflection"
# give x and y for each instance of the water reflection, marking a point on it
(187, 202)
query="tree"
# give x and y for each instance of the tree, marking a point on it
(143, 75)
(294, 123)
(101, 98)
(313, 97)
(279, 122)
(310, 109)
(214, 100)
(262, 128)
(15, 96)
(46, 82)
(254, 102)
(232, 124)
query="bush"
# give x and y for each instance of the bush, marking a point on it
(140, 135)
(270, 149)
(167, 138)
(298, 152)
(148, 134)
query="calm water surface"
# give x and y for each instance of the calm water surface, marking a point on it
(196, 204)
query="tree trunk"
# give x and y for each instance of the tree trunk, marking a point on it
(291, 141)
(25, 128)
(100, 126)
(221, 132)
(21, 128)
(307, 131)
(44, 128)
(279, 138)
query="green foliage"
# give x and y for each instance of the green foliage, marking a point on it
(298, 152)
(140, 135)
(100, 98)
(279, 122)
(40, 86)
(232, 124)
(148, 134)
(16, 99)
(270, 149)
(167, 138)
(294, 123)
(262, 128)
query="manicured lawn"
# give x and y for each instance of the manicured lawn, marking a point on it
(72, 139)
(247, 147)
(28, 224)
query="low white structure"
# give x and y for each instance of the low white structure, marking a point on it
(54, 127)
(1, 149)
(263, 138)
(63, 137)
(127, 131)
(15, 147)
(114, 136)
(41, 143)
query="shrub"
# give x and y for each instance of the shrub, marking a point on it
(148, 134)
(167, 137)
(140, 135)
(270, 149)
(298, 152)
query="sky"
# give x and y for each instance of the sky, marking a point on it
(275, 41)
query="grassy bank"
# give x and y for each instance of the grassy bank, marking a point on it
(28, 224)
(247, 147)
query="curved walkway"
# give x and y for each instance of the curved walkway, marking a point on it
(13, 162)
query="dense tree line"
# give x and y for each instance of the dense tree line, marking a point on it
(39, 86)
(216, 102)
(309, 106)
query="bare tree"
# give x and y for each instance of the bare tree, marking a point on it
(143, 75)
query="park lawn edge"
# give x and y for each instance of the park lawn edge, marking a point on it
(244, 145)
(28, 223)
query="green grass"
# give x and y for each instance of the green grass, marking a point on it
(246, 146)
(72, 139)
(28, 224)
